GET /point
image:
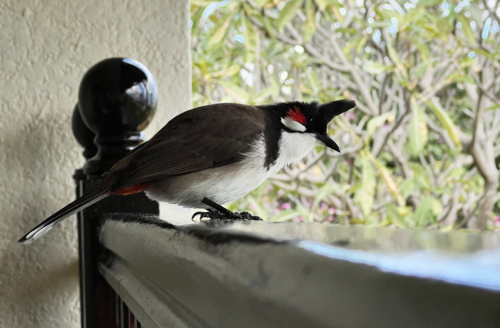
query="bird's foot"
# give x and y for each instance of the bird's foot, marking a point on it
(210, 214)
(243, 216)
(233, 216)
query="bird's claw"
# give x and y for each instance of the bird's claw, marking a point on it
(211, 214)
(233, 216)
(201, 214)
(244, 216)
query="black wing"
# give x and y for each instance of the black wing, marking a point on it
(198, 139)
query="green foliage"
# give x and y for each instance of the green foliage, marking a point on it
(415, 70)
(417, 138)
(365, 194)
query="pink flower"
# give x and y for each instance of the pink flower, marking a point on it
(332, 210)
(252, 207)
(285, 206)
(331, 218)
(323, 206)
(496, 219)
(346, 162)
(265, 199)
(497, 223)
(351, 116)
(280, 192)
(268, 189)
(299, 219)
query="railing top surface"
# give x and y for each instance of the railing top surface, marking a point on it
(302, 274)
(466, 258)
(357, 237)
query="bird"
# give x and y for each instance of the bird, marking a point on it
(213, 155)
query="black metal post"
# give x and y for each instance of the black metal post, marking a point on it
(117, 100)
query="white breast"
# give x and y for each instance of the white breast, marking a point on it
(231, 182)
(293, 148)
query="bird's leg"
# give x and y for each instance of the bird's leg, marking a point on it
(219, 211)
(216, 206)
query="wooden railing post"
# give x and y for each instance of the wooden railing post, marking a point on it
(117, 100)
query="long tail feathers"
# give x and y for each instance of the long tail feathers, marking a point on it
(70, 209)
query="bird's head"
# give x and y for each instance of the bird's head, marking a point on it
(313, 118)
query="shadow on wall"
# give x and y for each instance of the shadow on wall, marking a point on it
(38, 165)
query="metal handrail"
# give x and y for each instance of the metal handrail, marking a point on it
(263, 274)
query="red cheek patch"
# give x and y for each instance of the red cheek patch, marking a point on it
(296, 115)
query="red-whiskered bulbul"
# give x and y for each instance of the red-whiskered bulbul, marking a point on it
(213, 155)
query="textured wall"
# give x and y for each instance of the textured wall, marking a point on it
(45, 48)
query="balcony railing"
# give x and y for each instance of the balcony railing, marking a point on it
(139, 271)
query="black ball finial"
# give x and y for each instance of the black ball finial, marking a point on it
(83, 135)
(117, 100)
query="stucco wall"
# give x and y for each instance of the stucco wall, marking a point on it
(45, 48)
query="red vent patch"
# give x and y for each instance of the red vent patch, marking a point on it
(129, 190)
(296, 115)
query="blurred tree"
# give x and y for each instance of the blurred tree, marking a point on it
(422, 146)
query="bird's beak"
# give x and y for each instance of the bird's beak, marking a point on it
(327, 141)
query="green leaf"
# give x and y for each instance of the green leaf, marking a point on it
(310, 25)
(395, 216)
(494, 107)
(407, 186)
(288, 13)
(469, 34)
(285, 215)
(250, 36)
(417, 137)
(422, 48)
(262, 96)
(321, 4)
(267, 25)
(196, 18)
(201, 3)
(428, 3)
(460, 78)
(482, 52)
(234, 91)
(361, 44)
(400, 69)
(260, 3)
(386, 177)
(347, 30)
(314, 82)
(412, 17)
(375, 123)
(443, 117)
(375, 68)
(365, 195)
(230, 71)
(421, 69)
(393, 55)
(219, 31)
(425, 212)
(322, 192)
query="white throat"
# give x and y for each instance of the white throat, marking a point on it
(292, 148)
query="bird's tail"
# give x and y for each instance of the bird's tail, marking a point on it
(70, 209)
